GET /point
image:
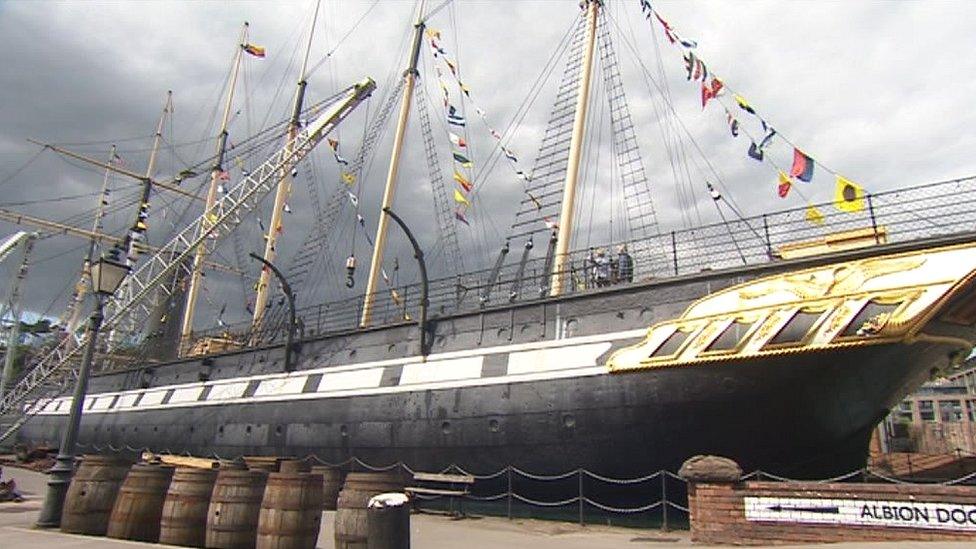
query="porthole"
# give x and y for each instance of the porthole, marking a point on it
(493, 425)
(247, 430)
(278, 429)
(220, 430)
(391, 349)
(343, 431)
(446, 427)
(193, 429)
(155, 429)
(352, 353)
(569, 421)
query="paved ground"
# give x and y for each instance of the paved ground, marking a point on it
(429, 531)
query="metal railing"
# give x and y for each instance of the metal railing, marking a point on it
(902, 215)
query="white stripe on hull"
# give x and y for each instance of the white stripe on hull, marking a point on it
(575, 357)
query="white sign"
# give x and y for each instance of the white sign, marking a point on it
(856, 512)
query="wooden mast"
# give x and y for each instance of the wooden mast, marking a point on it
(575, 154)
(147, 182)
(283, 190)
(81, 288)
(193, 290)
(409, 80)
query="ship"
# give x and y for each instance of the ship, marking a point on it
(785, 361)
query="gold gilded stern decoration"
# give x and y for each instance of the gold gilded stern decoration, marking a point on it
(841, 279)
(917, 284)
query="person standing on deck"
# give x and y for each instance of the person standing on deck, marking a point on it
(625, 265)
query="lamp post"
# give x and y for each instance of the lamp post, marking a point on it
(106, 276)
(424, 286)
(292, 317)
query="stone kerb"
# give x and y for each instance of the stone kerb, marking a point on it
(725, 509)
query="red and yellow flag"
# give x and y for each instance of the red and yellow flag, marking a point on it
(463, 181)
(255, 50)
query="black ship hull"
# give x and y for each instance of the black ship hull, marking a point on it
(538, 394)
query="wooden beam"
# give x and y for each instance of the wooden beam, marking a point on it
(53, 227)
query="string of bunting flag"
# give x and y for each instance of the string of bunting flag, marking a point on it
(848, 196)
(463, 164)
(349, 178)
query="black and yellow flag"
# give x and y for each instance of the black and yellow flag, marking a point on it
(848, 196)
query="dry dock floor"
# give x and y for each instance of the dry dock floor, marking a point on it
(429, 531)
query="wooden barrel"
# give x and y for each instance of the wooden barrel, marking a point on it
(293, 466)
(232, 518)
(91, 495)
(184, 520)
(350, 519)
(331, 485)
(291, 511)
(139, 506)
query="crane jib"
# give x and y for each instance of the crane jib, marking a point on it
(129, 299)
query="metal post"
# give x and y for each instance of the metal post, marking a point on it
(874, 220)
(674, 252)
(580, 479)
(57, 486)
(509, 492)
(769, 245)
(424, 285)
(292, 322)
(664, 501)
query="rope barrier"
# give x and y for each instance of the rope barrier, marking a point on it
(674, 505)
(524, 499)
(544, 477)
(628, 480)
(580, 499)
(628, 510)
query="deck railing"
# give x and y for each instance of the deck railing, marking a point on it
(934, 209)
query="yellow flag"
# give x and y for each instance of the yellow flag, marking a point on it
(433, 34)
(348, 178)
(814, 216)
(848, 196)
(784, 184)
(460, 199)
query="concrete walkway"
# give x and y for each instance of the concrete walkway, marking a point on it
(429, 531)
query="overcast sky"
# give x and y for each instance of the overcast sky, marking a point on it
(878, 91)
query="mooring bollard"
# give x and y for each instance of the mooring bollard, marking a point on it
(388, 522)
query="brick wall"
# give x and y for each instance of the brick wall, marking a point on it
(718, 512)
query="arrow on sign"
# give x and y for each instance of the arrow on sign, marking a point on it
(825, 510)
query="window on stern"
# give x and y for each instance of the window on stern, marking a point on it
(926, 410)
(797, 328)
(730, 338)
(870, 319)
(671, 344)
